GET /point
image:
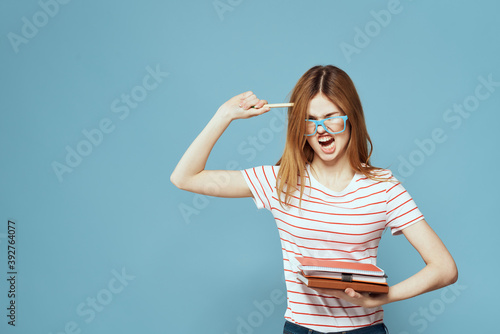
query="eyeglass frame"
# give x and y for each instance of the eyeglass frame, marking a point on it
(322, 123)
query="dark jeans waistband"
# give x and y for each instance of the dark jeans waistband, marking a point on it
(292, 328)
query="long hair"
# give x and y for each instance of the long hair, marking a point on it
(338, 87)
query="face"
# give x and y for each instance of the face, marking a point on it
(327, 147)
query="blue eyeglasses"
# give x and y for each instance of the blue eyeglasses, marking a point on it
(332, 125)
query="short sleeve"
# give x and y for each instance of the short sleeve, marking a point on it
(401, 210)
(262, 182)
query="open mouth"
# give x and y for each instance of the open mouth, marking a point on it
(326, 142)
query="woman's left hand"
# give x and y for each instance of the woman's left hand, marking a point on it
(364, 299)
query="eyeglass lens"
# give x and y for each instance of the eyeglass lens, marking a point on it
(333, 125)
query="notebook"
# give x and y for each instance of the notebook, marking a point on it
(348, 277)
(312, 266)
(329, 283)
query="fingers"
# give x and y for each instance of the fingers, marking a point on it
(244, 105)
(351, 293)
(245, 94)
(260, 104)
(256, 111)
(248, 100)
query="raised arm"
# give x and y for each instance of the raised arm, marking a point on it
(190, 173)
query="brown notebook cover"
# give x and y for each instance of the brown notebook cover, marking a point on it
(329, 283)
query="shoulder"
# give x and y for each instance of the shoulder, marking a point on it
(377, 175)
(382, 173)
(371, 172)
(379, 178)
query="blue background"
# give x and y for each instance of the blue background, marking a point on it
(201, 264)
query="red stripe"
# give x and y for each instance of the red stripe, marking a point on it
(321, 305)
(336, 214)
(401, 215)
(316, 220)
(323, 249)
(327, 249)
(397, 184)
(261, 186)
(310, 294)
(264, 172)
(340, 242)
(399, 227)
(249, 179)
(333, 232)
(325, 240)
(345, 202)
(400, 205)
(352, 192)
(396, 196)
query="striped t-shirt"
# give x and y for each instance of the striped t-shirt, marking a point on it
(346, 225)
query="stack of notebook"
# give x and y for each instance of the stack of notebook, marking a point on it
(329, 274)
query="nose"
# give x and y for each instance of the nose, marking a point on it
(320, 129)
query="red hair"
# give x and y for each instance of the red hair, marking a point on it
(338, 87)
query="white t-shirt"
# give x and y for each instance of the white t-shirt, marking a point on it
(346, 225)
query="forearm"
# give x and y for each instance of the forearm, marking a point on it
(433, 276)
(195, 158)
(440, 269)
(190, 173)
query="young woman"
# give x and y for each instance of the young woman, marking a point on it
(328, 201)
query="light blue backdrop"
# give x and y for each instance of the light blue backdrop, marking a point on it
(100, 99)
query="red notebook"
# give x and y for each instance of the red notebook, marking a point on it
(328, 283)
(311, 266)
(331, 274)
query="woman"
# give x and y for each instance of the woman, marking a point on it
(332, 203)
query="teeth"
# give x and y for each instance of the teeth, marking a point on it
(326, 139)
(330, 146)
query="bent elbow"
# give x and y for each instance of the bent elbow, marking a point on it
(453, 275)
(450, 274)
(176, 181)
